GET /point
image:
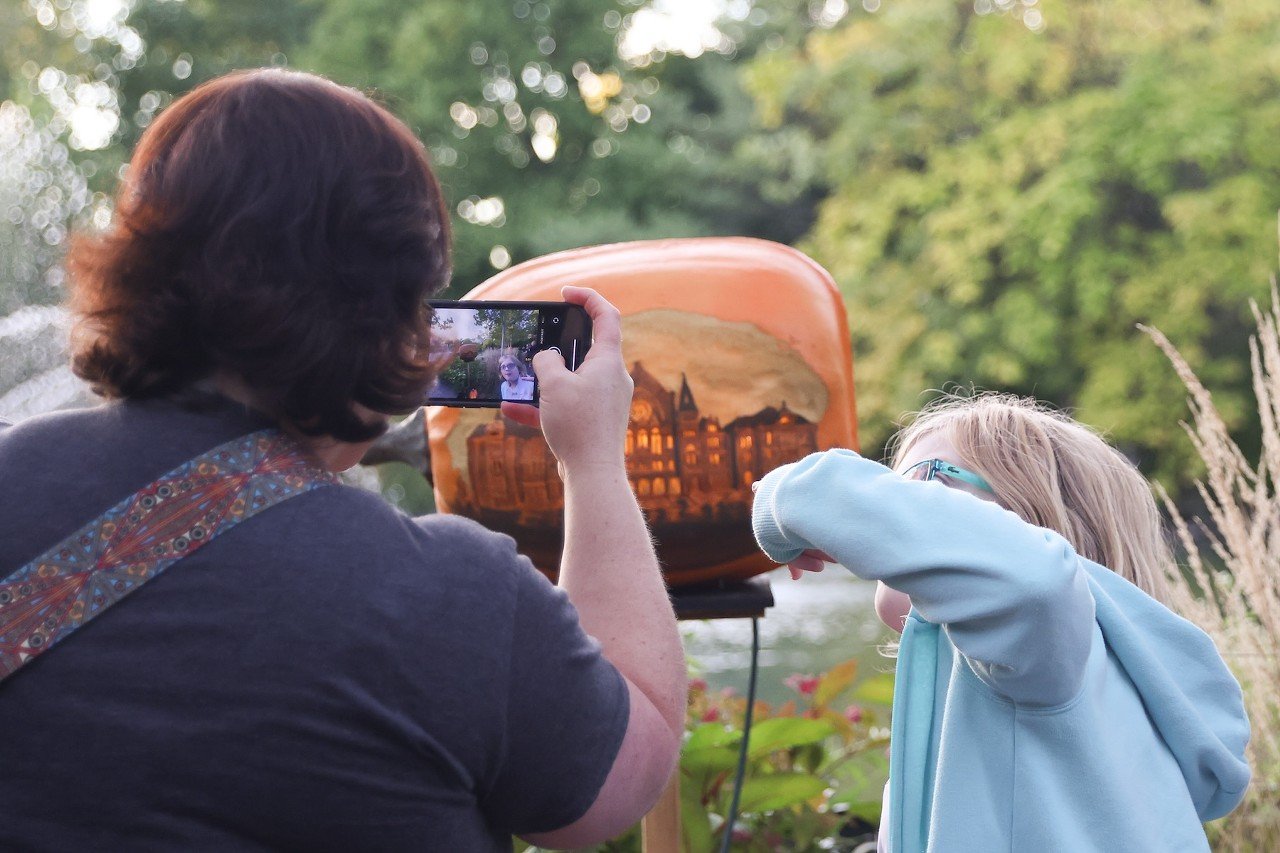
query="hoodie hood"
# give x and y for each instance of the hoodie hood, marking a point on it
(1192, 698)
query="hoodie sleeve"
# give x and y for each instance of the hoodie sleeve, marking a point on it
(1014, 598)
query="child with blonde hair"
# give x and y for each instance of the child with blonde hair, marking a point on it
(1046, 698)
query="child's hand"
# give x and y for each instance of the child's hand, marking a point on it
(812, 560)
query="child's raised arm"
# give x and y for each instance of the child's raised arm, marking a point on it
(1013, 597)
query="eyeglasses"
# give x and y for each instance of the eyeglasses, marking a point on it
(929, 469)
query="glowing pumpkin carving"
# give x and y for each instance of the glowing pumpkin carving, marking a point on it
(740, 354)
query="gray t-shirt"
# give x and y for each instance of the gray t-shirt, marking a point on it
(328, 675)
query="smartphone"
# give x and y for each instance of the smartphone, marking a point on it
(483, 351)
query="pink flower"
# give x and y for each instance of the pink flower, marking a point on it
(711, 715)
(697, 685)
(853, 714)
(805, 685)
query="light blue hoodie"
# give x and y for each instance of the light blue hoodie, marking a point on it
(1043, 703)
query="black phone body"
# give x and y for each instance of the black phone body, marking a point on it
(483, 351)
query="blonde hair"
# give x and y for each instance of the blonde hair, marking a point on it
(1055, 472)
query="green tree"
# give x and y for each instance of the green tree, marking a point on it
(544, 137)
(1014, 187)
(78, 83)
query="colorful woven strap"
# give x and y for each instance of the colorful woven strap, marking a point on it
(137, 539)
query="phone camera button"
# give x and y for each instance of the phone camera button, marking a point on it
(555, 320)
(555, 350)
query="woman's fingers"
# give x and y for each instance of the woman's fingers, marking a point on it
(606, 321)
(584, 412)
(523, 413)
(548, 365)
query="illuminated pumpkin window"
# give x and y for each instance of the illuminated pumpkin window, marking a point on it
(745, 441)
(715, 458)
(659, 486)
(675, 486)
(642, 439)
(671, 465)
(670, 441)
(657, 464)
(643, 487)
(768, 437)
(631, 441)
(655, 437)
(746, 478)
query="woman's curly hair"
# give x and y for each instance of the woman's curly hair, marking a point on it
(278, 228)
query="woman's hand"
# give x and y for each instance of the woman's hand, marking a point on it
(812, 560)
(583, 413)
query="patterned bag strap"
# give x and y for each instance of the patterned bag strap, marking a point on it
(138, 538)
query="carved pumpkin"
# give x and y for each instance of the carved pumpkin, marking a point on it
(741, 358)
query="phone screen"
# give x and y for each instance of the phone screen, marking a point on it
(484, 355)
(482, 352)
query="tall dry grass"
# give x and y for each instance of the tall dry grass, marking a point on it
(1232, 586)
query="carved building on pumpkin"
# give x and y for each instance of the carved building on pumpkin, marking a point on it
(683, 466)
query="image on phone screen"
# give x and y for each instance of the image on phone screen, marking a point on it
(485, 355)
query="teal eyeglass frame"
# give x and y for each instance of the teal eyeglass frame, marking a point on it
(934, 467)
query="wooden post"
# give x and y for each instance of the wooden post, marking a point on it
(660, 829)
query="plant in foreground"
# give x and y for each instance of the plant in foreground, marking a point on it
(816, 764)
(1231, 587)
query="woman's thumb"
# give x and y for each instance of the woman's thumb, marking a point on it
(549, 365)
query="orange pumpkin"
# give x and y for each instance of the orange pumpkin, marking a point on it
(741, 357)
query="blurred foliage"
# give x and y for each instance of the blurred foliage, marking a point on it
(79, 81)
(815, 773)
(406, 488)
(1015, 186)
(543, 136)
(816, 765)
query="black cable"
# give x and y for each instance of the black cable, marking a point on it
(732, 817)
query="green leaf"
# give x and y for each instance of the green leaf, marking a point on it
(779, 790)
(711, 734)
(711, 748)
(710, 759)
(868, 810)
(787, 733)
(695, 822)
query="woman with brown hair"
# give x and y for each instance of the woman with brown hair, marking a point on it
(282, 662)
